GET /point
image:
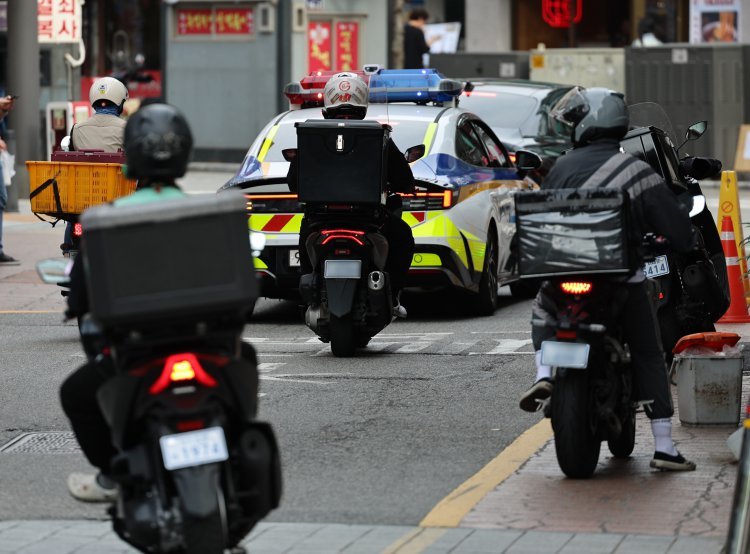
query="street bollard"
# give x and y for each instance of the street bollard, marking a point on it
(738, 537)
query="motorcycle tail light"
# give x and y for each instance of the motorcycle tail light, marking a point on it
(566, 334)
(77, 230)
(181, 368)
(348, 234)
(576, 287)
(189, 425)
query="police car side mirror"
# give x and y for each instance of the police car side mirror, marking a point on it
(289, 154)
(527, 161)
(414, 153)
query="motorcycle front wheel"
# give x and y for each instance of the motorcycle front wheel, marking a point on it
(576, 447)
(622, 446)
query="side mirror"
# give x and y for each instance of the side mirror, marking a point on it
(289, 154)
(696, 130)
(54, 270)
(414, 153)
(527, 161)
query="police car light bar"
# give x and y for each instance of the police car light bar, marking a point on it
(386, 85)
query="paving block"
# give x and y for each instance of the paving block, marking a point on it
(640, 544)
(592, 543)
(484, 541)
(534, 542)
(696, 545)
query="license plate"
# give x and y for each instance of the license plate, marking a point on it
(294, 258)
(658, 267)
(343, 269)
(565, 354)
(193, 448)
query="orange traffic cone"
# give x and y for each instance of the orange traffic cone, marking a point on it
(737, 312)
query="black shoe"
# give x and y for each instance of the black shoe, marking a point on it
(534, 398)
(667, 462)
(7, 260)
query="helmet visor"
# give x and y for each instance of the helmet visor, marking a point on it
(570, 109)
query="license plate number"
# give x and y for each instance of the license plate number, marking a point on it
(343, 269)
(565, 354)
(659, 266)
(193, 448)
(294, 258)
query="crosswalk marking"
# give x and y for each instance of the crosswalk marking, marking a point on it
(507, 346)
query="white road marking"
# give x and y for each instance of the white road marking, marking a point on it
(413, 347)
(265, 367)
(507, 346)
(457, 347)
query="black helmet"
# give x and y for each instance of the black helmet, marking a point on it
(157, 142)
(592, 114)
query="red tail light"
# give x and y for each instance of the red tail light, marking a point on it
(77, 230)
(576, 287)
(446, 198)
(512, 156)
(181, 368)
(348, 234)
(566, 334)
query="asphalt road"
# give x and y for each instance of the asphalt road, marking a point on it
(377, 439)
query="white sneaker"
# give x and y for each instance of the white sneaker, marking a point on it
(87, 488)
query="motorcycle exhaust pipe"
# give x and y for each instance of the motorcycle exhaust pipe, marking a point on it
(376, 281)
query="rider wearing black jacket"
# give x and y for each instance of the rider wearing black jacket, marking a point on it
(346, 97)
(599, 119)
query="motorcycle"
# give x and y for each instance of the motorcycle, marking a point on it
(578, 241)
(693, 290)
(195, 470)
(348, 295)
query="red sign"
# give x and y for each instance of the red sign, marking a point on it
(58, 21)
(318, 46)
(194, 22)
(234, 21)
(556, 13)
(347, 46)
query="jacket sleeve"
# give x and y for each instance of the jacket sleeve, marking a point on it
(400, 177)
(292, 175)
(668, 217)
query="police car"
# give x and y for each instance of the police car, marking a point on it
(462, 216)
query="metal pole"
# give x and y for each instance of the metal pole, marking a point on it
(283, 52)
(23, 80)
(738, 537)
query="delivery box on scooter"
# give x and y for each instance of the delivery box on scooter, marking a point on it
(341, 162)
(179, 260)
(75, 181)
(573, 231)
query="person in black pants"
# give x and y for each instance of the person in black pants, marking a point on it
(598, 119)
(346, 97)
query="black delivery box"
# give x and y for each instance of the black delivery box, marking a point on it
(184, 259)
(573, 231)
(341, 161)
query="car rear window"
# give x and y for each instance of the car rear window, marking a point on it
(499, 109)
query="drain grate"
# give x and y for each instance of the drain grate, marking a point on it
(51, 442)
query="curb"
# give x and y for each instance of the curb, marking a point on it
(223, 167)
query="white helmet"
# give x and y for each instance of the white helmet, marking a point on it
(346, 91)
(108, 88)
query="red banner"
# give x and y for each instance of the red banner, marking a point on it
(234, 21)
(347, 46)
(194, 22)
(318, 46)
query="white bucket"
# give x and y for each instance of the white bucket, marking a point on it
(709, 389)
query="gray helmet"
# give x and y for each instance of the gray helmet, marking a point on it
(592, 114)
(157, 142)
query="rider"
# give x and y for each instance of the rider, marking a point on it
(103, 130)
(157, 143)
(346, 97)
(599, 119)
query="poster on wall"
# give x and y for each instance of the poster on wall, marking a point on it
(347, 46)
(715, 21)
(318, 46)
(442, 37)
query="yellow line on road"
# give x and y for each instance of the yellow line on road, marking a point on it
(450, 511)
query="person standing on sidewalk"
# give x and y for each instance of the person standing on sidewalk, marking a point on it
(415, 45)
(6, 104)
(598, 119)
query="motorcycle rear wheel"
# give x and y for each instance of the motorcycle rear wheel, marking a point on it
(576, 447)
(622, 446)
(342, 336)
(204, 535)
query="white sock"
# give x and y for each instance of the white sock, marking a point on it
(662, 430)
(542, 371)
